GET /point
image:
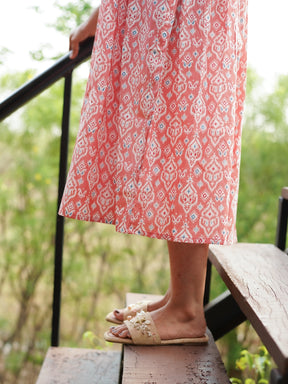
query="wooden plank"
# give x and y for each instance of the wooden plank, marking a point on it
(80, 366)
(256, 275)
(172, 364)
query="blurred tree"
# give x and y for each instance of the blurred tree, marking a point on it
(28, 189)
(264, 160)
(70, 15)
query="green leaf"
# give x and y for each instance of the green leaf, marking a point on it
(234, 380)
(250, 381)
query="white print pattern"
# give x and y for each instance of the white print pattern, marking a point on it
(158, 150)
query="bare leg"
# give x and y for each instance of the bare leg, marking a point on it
(183, 314)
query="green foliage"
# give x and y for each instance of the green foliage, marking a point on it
(91, 340)
(3, 53)
(12, 81)
(68, 15)
(264, 163)
(14, 361)
(28, 191)
(274, 110)
(72, 14)
(255, 368)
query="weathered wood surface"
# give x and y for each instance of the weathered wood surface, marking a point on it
(257, 277)
(80, 366)
(172, 364)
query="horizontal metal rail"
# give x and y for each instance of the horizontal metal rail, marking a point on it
(60, 69)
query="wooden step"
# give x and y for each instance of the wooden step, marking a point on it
(172, 364)
(256, 275)
(80, 366)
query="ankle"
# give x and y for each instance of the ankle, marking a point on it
(186, 313)
(153, 306)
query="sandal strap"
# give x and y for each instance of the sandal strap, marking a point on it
(133, 309)
(143, 330)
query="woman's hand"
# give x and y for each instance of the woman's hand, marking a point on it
(81, 33)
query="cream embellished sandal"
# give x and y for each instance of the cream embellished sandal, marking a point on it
(143, 331)
(129, 312)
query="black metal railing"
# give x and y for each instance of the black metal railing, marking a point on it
(63, 68)
(281, 232)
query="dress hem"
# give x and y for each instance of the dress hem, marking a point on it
(154, 235)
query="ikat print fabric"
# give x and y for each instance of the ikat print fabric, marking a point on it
(158, 149)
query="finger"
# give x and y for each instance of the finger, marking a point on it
(74, 53)
(73, 46)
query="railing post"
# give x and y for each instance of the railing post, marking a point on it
(207, 282)
(277, 378)
(281, 232)
(59, 236)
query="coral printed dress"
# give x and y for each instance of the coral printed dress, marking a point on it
(158, 150)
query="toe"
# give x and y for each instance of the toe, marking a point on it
(124, 334)
(118, 314)
(116, 330)
(121, 331)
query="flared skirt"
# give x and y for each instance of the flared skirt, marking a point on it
(158, 149)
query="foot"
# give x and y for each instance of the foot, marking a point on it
(119, 313)
(172, 323)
